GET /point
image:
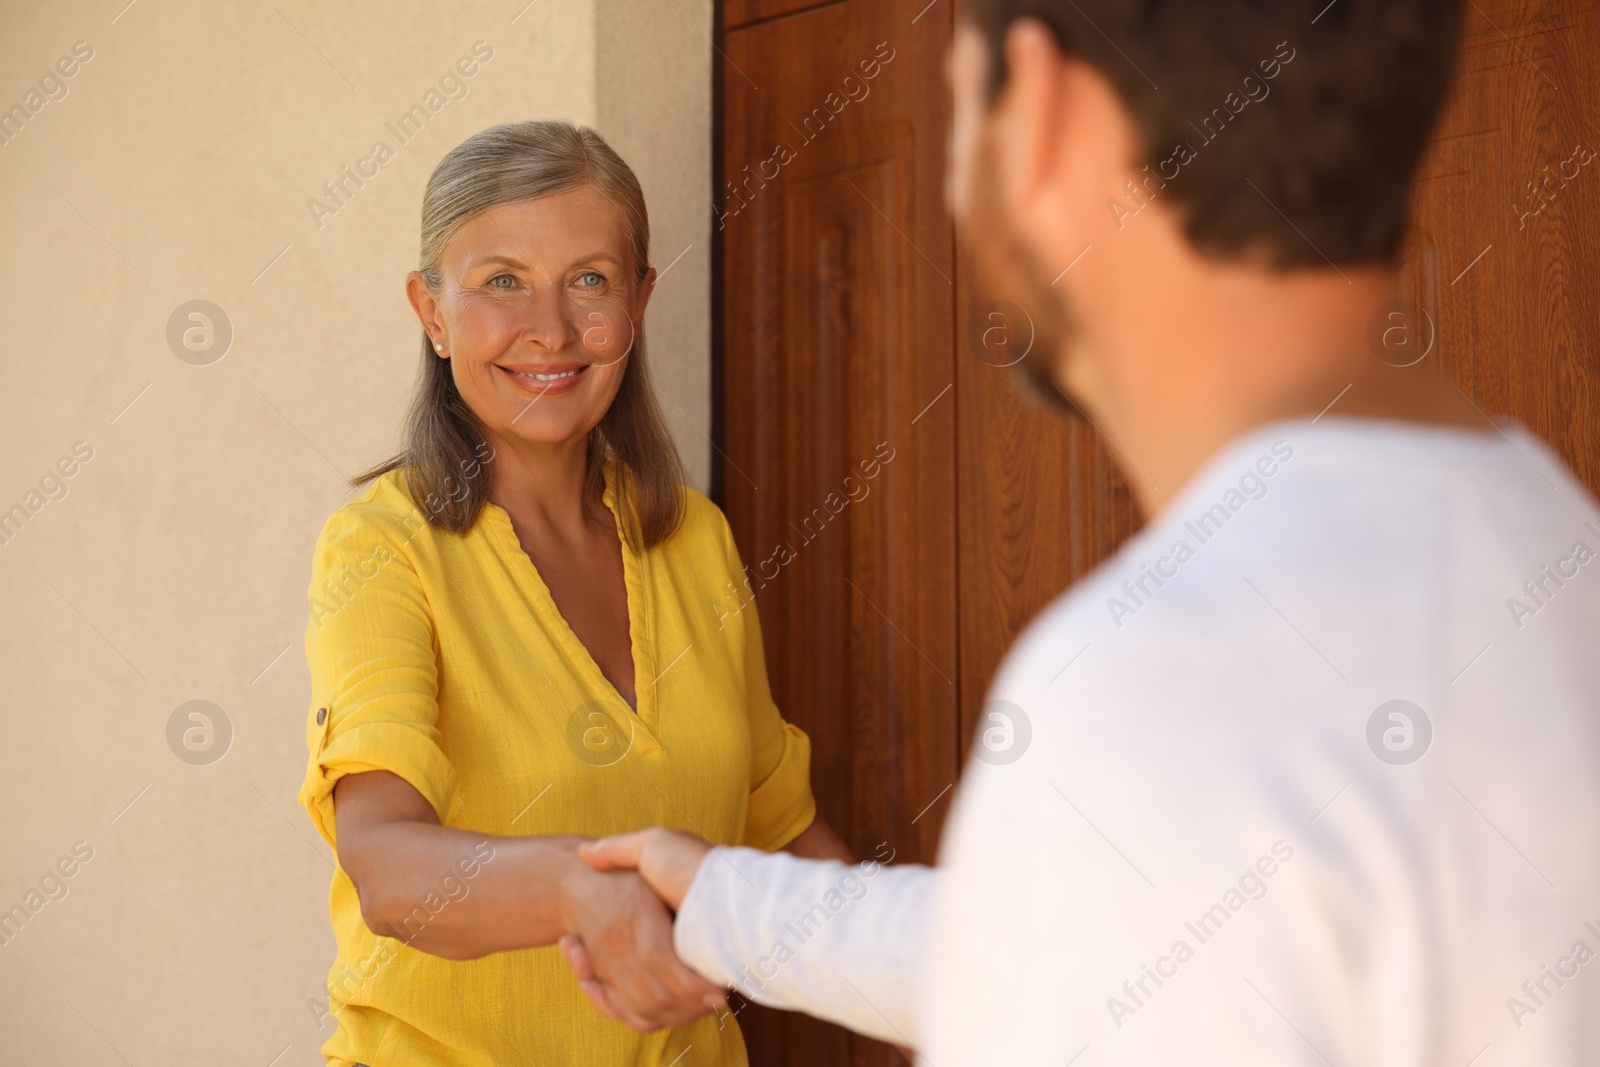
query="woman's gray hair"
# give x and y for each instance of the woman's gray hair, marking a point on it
(443, 459)
(526, 161)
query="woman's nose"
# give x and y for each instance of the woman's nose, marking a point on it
(547, 319)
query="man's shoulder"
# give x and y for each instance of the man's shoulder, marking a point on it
(1296, 739)
(1370, 538)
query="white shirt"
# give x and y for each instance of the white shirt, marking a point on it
(1201, 832)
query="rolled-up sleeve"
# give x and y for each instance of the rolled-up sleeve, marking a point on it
(781, 802)
(371, 648)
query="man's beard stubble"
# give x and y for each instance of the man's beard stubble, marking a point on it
(1004, 267)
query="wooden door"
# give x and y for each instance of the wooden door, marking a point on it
(1509, 215)
(836, 421)
(846, 321)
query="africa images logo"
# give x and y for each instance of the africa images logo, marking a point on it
(1399, 732)
(1252, 485)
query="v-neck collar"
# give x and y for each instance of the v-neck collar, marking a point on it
(525, 572)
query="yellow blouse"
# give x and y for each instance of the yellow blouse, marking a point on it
(442, 658)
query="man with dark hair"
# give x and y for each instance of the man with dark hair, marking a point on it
(1309, 771)
(1353, 99)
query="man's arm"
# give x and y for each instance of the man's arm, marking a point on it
(842, 942)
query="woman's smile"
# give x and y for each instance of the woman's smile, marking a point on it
(544, 379)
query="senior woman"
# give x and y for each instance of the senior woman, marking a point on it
(521, 639)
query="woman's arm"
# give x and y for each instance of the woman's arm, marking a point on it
(412, 877)
(819, 842)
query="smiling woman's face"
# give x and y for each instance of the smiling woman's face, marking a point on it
(537, 311)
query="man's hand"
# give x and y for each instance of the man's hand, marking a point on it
(666, 859)
(629, 969)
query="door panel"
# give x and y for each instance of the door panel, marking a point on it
(1519, 328)
(743, 12)
(837, 280)
(1041, 501)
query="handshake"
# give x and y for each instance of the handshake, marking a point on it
(615, 905)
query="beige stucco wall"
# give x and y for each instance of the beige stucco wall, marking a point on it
(171, 564)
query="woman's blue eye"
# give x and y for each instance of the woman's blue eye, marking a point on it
(502, 277)
(599, 279)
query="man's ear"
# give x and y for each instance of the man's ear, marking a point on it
(1063, 139)
(1028, 115)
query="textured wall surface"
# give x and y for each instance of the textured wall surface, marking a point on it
(169, 505)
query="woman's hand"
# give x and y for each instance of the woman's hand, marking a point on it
(661, 863)
(619, 943)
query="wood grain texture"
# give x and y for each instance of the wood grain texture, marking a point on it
(1041, 501)
(838, 300)
(1519, 328)
(737, 13)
